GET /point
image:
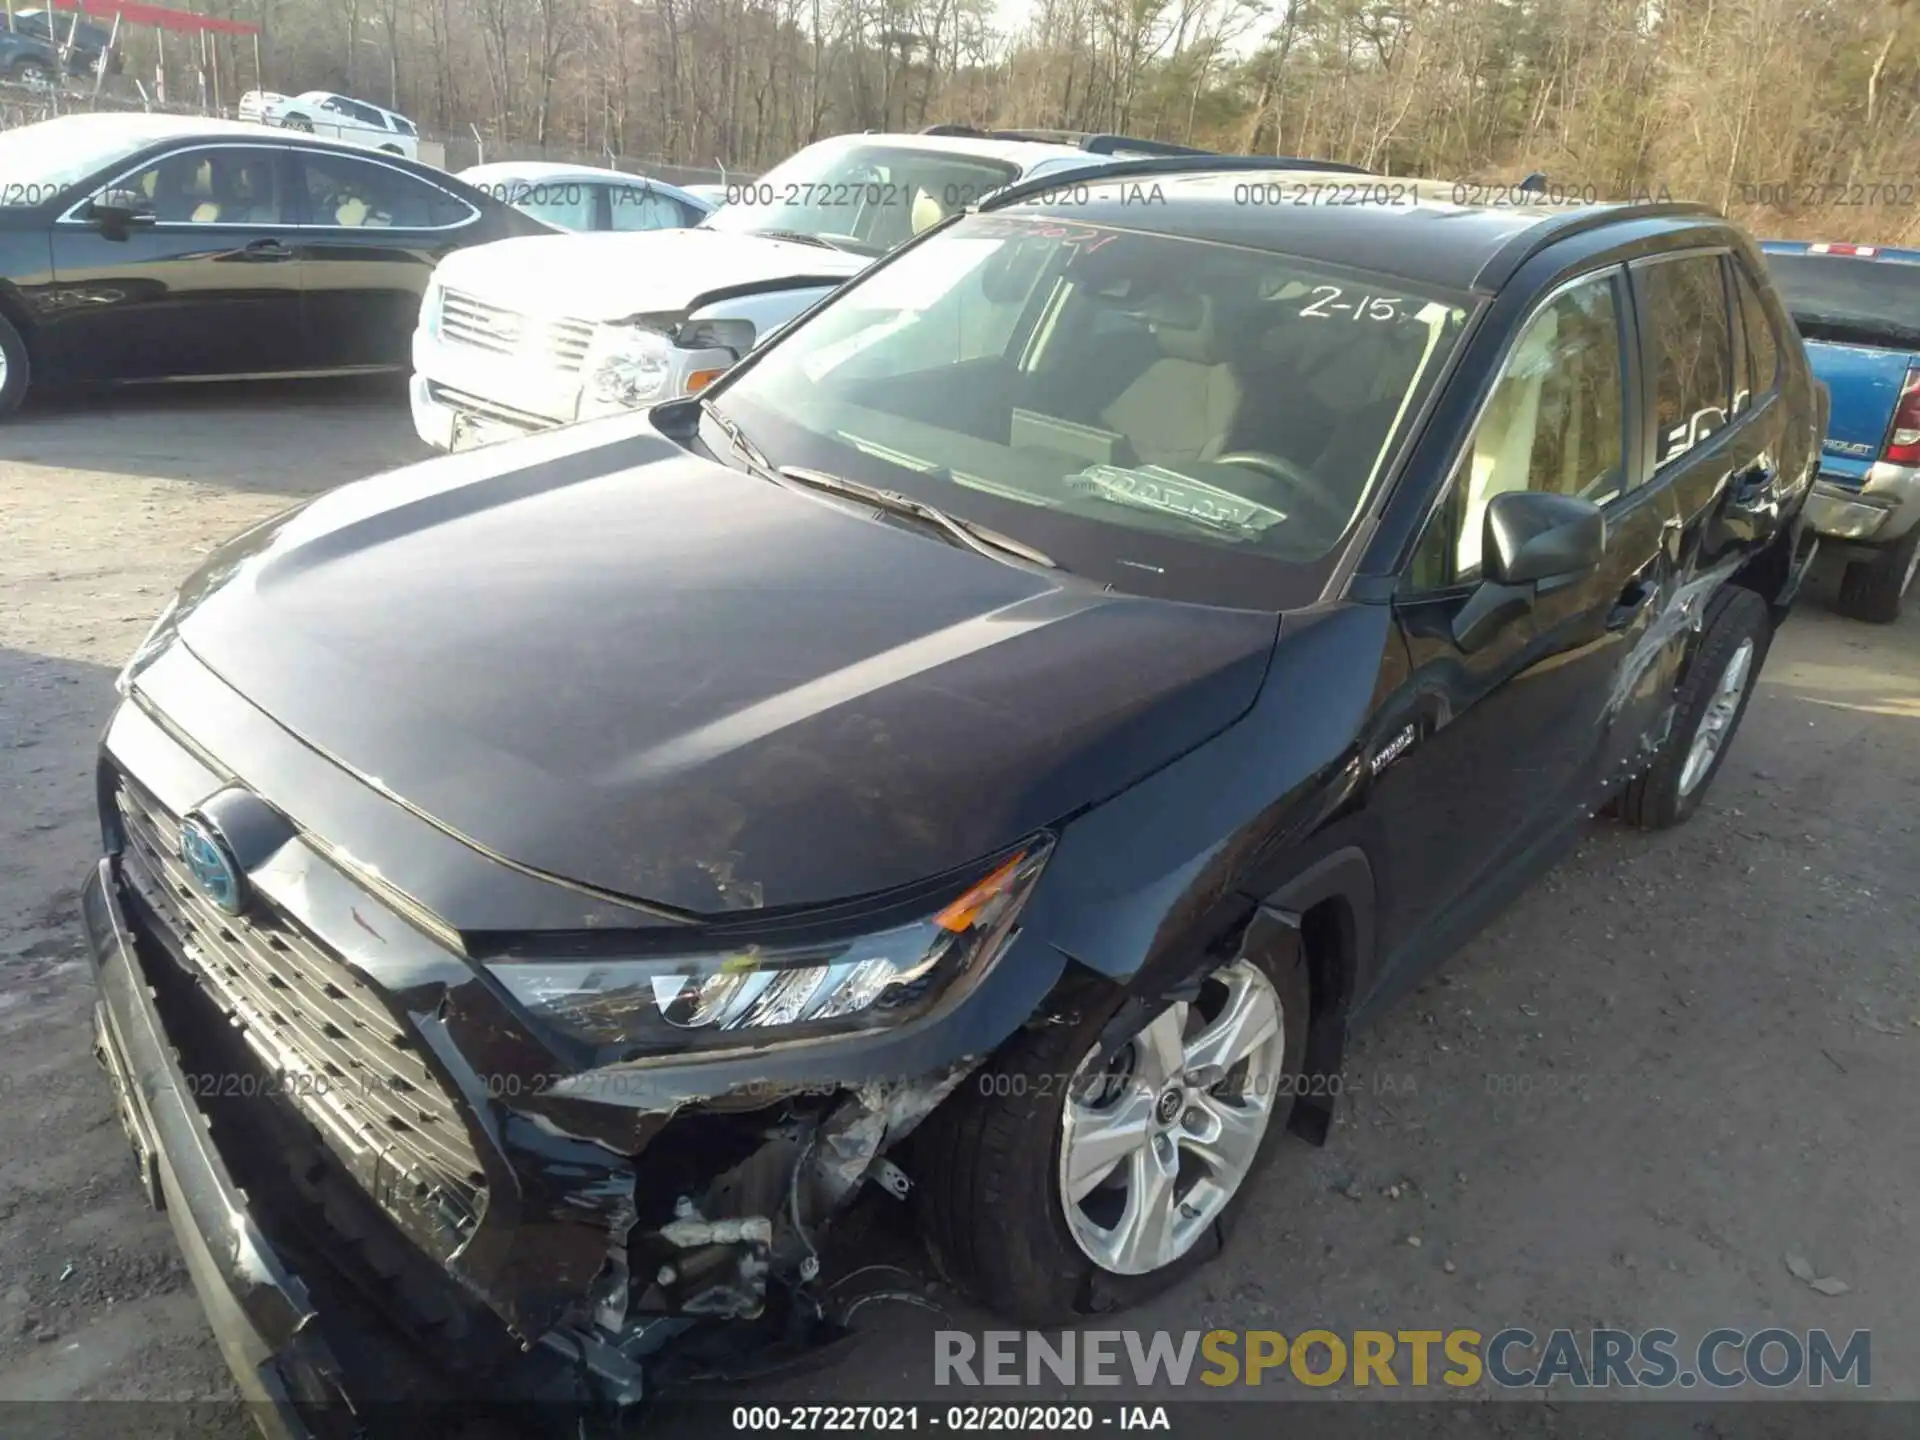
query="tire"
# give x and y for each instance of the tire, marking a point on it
(990, 1193)
(32, 72)
(1872, 590)
(300, 123)
(16, 368)
(391, 149)
(1668, 793)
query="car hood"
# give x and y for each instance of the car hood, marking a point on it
(605, 659)
(610, 276)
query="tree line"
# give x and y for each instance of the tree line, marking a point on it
(1796, 117)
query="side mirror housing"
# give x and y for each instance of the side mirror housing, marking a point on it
(117, 211)
(1530, 539)
(1531, 535)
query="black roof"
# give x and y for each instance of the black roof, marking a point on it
(1414, 229)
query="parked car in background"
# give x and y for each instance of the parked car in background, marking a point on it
(85, 41)
(993, 748)
(543, 333)
(26, 60)
(1858, 309)
(583, 197)
(322, 112)
(158, 247)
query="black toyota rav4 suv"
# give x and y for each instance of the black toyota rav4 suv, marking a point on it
(994, 747)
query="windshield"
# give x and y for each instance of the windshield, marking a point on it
(42, 161)
(1843, 298)
(1150, 410)
(860, 197)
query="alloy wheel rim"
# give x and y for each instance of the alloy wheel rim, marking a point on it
(1155, 1143)
(1717, 720)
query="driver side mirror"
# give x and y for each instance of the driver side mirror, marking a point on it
(118, 211)
(1531, 540)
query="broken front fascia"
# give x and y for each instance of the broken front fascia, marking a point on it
(766, 1214)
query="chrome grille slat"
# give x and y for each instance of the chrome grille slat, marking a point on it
(467, 320)
(342, 1057)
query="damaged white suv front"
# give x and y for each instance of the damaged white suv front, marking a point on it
(526, 334)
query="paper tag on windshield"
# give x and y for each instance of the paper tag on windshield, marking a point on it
(1153, 487)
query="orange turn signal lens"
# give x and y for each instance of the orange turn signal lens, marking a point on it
(962, 913)
(700, 379)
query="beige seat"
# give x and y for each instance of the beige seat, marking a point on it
(1183, 405)
(927, 211)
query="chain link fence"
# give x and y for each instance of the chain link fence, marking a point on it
(22, 104)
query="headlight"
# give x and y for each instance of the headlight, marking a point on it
(430, 300)
(626, 367)
(157, 639)
(760, 995)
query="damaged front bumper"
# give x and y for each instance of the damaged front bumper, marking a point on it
(639, 1226)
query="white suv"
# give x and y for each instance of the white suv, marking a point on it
(321, 112)
(522, 335)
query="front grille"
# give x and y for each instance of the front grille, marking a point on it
(467, 320)
(335, 1050)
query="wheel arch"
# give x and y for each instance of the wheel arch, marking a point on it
(1331, 906)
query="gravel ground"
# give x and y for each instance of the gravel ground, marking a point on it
(1676, 1061)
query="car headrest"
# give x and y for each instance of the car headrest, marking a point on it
(1185, 326)
(927, 211)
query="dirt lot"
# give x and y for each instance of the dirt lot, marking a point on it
(1675, 1062)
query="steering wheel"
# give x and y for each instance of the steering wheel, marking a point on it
(1299, 481)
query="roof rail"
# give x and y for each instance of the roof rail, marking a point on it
(1096, 144)
(1504, 263)
(1150, 165)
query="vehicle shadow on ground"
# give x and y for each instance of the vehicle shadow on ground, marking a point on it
(290, 437)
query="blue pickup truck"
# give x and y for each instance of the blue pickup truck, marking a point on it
(1858, 309)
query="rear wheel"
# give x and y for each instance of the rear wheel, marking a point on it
(14, 368)
(391, 149)
(1873, 589)
(1058, 1185)
(1711, 703)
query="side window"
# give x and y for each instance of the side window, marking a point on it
(366, 115)
(637, 207)
(1689, 349)
(236, 186)
(566, 203)
(361, 195)
(1553, 422)
(1763, 346)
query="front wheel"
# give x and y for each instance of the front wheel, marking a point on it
(300, 123)
(1708, 709)
(1872, 590)
(1058, 1184)
(14, 371)
(32, 72)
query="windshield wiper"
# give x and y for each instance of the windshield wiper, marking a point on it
(738, 442)
(964, 533)
(801, 237)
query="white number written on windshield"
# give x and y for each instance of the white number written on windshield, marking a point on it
(1363, 307)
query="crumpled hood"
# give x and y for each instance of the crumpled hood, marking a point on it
(609, 660)
(606, 275)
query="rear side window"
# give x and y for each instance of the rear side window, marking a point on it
(1761, 350)
(1689, 348)
(359, 195)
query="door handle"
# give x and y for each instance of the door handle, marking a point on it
(1632, 604)
(266, 250)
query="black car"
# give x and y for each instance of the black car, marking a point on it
(149, 247)
(26, 60)
(998, 743)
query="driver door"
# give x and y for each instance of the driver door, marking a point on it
(1516, 725)
(205, 284)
